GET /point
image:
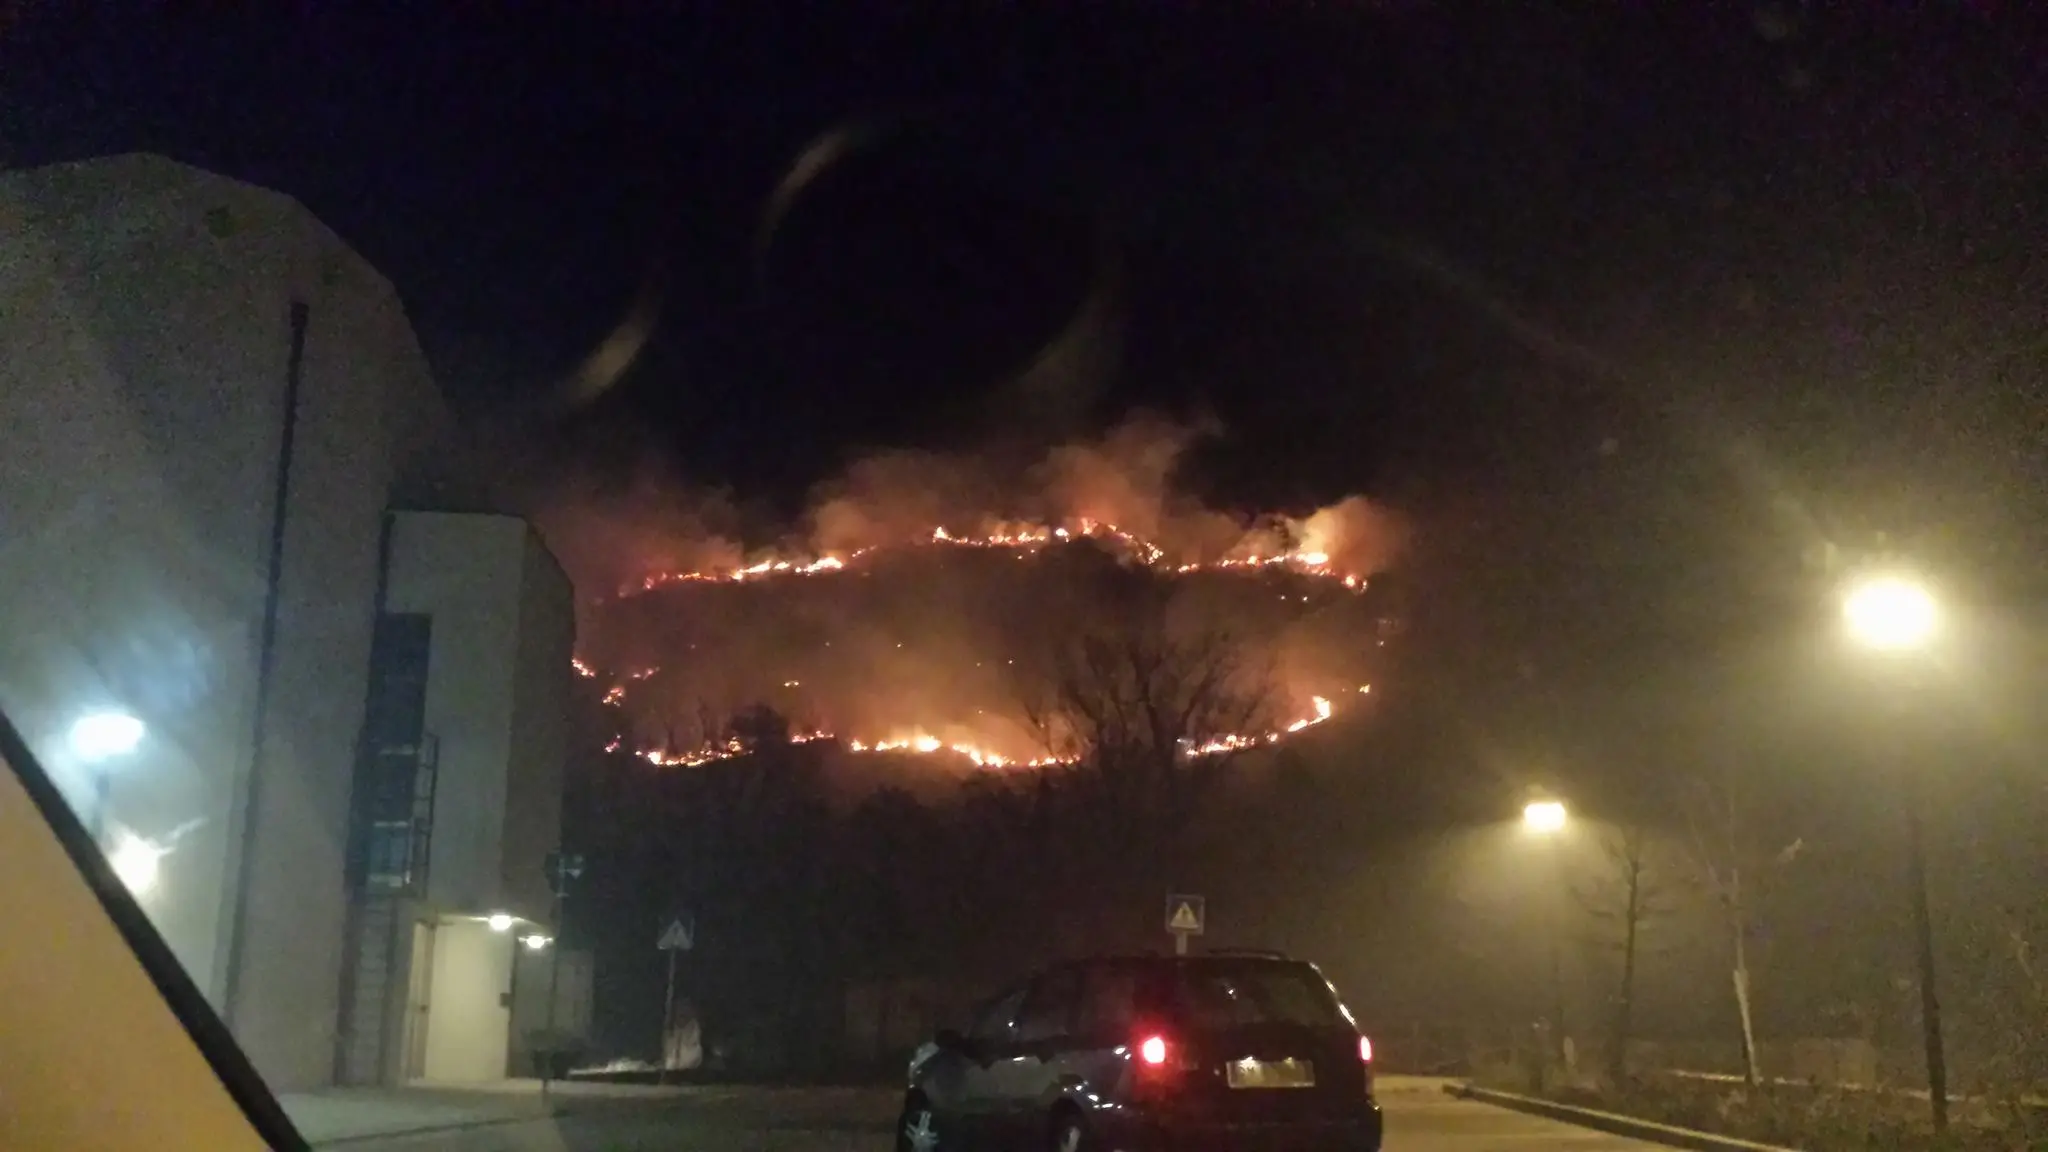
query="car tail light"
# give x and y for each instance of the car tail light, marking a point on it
(1159, 1069)
(1365, 1049)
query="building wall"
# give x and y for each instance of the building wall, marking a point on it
(535, 976)
(540, 727)
(146, 323)
(502, 631)
(464, 571)
(468, 1018)
(132, 579)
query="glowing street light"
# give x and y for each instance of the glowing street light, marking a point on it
(1544, 816)
(1890, 613)
(499, 921)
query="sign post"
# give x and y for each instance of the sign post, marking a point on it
(677, 938)
(1186, 915)
(562, 867)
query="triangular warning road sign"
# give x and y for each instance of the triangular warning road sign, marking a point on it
(677, 937)
(1184, 919)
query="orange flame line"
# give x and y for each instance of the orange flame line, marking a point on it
(1027, 541)
(924, 745)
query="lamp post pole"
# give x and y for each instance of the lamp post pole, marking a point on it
(1547, 818)
(1896, 616)
(1923, 940)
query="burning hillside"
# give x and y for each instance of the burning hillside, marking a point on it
(997, 640)
(1023, 540)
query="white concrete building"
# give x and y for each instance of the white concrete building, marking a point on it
(467, 733)
(213, 404)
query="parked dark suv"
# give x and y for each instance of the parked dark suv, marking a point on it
(1224, 1050)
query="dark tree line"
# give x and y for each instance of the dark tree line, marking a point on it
(799, 891)
(1738, 883)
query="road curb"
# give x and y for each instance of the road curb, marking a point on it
(1611, 1122)
(562, 1110)
(430, 1129)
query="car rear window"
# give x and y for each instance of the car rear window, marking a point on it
(1206, 996)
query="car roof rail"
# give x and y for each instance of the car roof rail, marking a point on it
(1261, 953)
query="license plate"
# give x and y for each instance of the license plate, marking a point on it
(1289, 1073)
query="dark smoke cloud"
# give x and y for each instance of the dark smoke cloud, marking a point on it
(1125, 477)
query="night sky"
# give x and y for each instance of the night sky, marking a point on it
(1650, 321)
(1675, 295)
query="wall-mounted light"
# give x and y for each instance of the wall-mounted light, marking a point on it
(499, 921)
(134, 860)
(534, 942)
(100, 735)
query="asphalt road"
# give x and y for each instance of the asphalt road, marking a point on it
(1420, 1118)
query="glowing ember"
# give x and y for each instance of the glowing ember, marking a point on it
(924, 744)
(1024, 540)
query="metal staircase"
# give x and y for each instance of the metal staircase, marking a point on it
(390, 833)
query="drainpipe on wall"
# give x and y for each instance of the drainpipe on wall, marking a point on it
(266, 664)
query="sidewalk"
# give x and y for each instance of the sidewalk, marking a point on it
(340, 1115)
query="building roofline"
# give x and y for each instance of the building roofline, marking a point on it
(532, 533)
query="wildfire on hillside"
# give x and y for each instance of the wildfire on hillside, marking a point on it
(920, 743)
(1024, 540)
(938, 581)
(928, 651)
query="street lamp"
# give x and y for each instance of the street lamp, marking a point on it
(1899, 615)
(1543, 816)
(96, 738)
(1890, 614)
(1547, 818)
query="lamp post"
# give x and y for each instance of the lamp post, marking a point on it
(1547, 819)
(96, 739)
(1897, 616)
